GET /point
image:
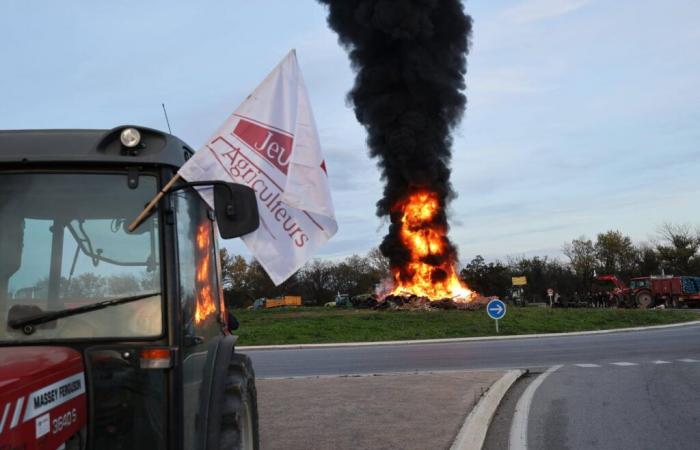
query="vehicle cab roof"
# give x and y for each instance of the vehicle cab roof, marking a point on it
(92, 146)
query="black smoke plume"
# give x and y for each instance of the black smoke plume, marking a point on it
(410, 61)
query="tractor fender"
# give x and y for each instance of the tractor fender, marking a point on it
(211, 403)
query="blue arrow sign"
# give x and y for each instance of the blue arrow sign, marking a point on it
(496, 309)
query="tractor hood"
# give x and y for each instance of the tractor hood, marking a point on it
(37, 385)
(24, 366)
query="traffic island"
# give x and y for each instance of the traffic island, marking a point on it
(388, 411)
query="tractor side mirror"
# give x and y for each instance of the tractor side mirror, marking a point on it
(236, 209)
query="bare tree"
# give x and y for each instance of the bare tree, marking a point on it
(678, 247)
(582, 256)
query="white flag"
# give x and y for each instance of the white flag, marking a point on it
(271, 144)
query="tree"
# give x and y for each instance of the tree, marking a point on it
(488, 279)
(582, 257)
(616, 254)
(678, 249)
(234, 270)
(647, 261)
(379, 263)
(315, 278)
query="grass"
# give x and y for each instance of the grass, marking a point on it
(323, 325)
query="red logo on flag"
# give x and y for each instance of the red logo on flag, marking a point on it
(271, 144)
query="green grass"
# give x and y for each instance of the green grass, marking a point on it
(323, 325)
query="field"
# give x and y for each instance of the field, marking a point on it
(323, 325)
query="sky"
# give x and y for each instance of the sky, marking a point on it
(582, 116)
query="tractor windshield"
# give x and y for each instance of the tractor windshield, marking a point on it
(64, 245)
(640, 283)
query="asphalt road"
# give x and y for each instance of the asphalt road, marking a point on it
(644, 404)
(667, 343)
(625, 390)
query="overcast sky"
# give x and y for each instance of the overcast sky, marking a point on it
(583, 115)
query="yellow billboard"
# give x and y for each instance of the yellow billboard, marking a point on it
(519, 281)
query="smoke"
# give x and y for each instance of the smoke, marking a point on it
(410, 61)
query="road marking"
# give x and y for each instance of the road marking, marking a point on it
(518, 429)
(587, 365)
(661, 361)
(623, 364)
(688, 360)
(476, 425)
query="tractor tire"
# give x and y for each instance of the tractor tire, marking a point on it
(239, 415)
(644, 300)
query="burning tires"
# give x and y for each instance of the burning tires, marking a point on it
(239, 414)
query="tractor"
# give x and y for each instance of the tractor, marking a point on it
(647, 292)
(115, 339)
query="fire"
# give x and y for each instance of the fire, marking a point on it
(431, 270)
(204, 305)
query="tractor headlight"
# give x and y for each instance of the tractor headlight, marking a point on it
(130, 137)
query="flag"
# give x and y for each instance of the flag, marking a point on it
(270, 143)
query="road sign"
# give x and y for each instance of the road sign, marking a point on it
(550, 292)
(519, 281)
(496, 309)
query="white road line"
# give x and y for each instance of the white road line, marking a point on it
(688, 360)
(518, 429)
(623, 364)
(661, 361)
(587, 365)
(473, 432)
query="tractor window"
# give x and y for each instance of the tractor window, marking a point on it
(64, 244)
(643, 283)
(200, 298)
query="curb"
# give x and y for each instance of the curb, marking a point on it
(465, 339)
(518, 428)
(473, 432)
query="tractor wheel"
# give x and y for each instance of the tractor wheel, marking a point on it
(239, 415)
(645, 300)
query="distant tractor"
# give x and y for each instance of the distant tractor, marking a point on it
(647, 292)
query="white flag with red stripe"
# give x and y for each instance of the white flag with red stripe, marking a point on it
(271, 144)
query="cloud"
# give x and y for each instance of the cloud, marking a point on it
(536, 10)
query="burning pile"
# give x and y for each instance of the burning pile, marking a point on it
(410, 58)
(431, 268)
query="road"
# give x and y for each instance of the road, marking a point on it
(628, 390)
(673, 343)
(640, 405)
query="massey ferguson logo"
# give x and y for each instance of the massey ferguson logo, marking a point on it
(273, 145)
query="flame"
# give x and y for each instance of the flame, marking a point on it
(425, 239)
(204, 304)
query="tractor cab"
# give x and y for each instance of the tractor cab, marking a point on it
(110, 338)
(639, 283)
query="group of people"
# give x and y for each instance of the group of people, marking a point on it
(590, 299)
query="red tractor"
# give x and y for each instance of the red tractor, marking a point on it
(114, 339)
(647, 292)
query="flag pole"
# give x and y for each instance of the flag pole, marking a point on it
(152, 204)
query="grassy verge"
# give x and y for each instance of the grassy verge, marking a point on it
(323, 325)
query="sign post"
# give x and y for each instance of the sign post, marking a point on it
(550, 294)
(496, 310)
